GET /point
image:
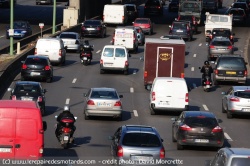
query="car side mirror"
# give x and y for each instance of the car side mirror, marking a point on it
(174, 119)
(44, 125)
(111, 137)
(121, 96)
(162, 140)
(84, 95)
(219, 120)
(9, 89)
(223, 93)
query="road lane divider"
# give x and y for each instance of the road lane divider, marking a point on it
(227, 137)
(67, 101)
(74, 80)
(205, 107)
(135, 113)
(200, 44)
(192, 68)
(194, 55)
(98, 51)
(131, 90)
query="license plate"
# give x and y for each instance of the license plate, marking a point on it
(26, 99)
(108, 64)
(163, 103)
(207, 86)
(201, 140)
(85, 58)
(34, 73)
(246, 109)
(66, 138)
(221, 49)
(90, 28)
(142, 158)
(5, 150)
(104, 104)
(230, 72)
(179, 30)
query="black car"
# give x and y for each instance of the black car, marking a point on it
(37, 67)
(29, 91)
(230, 68)
(153, 7)
(197, 128)
(239, 16)
(182, 29)
(93, 28)
(21, 29)
(173, 5)
(221, 32)
(132, 12)
(242, 5)
(191, 19)
(246, 1)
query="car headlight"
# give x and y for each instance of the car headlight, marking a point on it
(24, 32)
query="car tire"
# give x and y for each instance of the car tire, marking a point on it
(152, 112)
(223, 109)
(22, 78)
(179, 146)
(125, 72)
(173, 139)
(102, 71)
(86, 117)
(229, 115)
(49, 79)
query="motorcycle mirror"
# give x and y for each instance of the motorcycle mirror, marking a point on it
(56, 116)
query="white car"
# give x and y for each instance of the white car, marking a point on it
(71, 40)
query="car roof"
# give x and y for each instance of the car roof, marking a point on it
(199, 113)
(27, 83)
(241, 88)
(230, 55)
(237, 151)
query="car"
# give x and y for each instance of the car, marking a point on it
(154, 7)
(219, 46)
(29, 91)
(182, 29)
(146, 25)
(37, 67)
(197, 128)
(231, 157)
(192, 21)
(242, 5)
(102, 101)
(246, 1)
(93, 28)
(39, 2)
(71, 40)
(221, 32)
(230, 68)
(137, 144)
(173, 5)
(239, 16)
(132, 12)
(167, 37)
(21, 29)
(236, 101)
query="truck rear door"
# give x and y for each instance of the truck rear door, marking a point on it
(124, 37)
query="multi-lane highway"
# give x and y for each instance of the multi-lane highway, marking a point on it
(91, 136)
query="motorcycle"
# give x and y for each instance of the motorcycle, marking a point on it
(207, 84)
(64, 137)
(86, 54)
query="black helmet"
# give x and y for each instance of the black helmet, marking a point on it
(66, 108)
(86, 42)
(206, 63)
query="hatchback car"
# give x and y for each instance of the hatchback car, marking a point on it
(197, 128)
(93, 28)
(136, 143)
(173, 5)
(103, 102)
(71, 40)
(132, 12)
(153, 7)
(21, 29)
(146, 25)
(219, 46)
(242, 5)
(231, 157)
(221, 32)
(246, 1)
(37, 67)
(191, 19)
(236, 101)
(230, 68)
(182, 29)
(239, 16)
(29, 91)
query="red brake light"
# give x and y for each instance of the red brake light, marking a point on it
(60, 52)
(47, 68)
(119, 151)
(24, 66)
(39, 99)
(153, 96)
(118, 103)
(83, 28)
(230, 47)
(145, 74)
(90, 102)
(158, 7)
(211, 46)
(185, 127)
(216, 72)
(162, 153)
(66, 130)
(41, 131)
(126, 63)
(122, 17)
(234, 99)
(101, 61)
(217, 129)
(186, 98)
(13, 97)
(35, 51)
(231, 37)
(67, 120)
(98, 28)
(245, 73)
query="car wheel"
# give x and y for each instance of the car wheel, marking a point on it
(179, 146)
(86, 117)
(152, 111)
(125, 72)
(173, 139)
(229, 115)
(49, 79)
(223, 109)
(22, 78)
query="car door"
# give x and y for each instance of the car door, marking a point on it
(120, 58)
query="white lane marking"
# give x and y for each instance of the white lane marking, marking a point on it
(194, 85)
(200, 44)
(227, 137)
(194, 55)
(67, 101)
(131, 90)
(205, 107)
(135, 113)
(74, 80)
(1, 36)
(192, 68)
(98, 51)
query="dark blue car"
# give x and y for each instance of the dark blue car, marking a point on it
(21, 29)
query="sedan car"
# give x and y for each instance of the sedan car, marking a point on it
(103, 102)
(197, 128)
(219, 46)
(71, 40)
(153, 7)
(29, 90)
(21, 29)
(93, 28)
(242, 5)
(221, 32)
(138, 144)
(236, 101)
(239, 16)
(37, 67)
(145, 24)
(191, 19)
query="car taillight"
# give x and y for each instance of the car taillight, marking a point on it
(134, 38)
(145, 6)
(234, 99)
(83, 28)
(230, 47)
(122, 17)
(186, 98)
(211, 36)
(216, 72)
(158, 7)
(217, 129)
(119, 151)
(39, 99)
(211, 46)
(188, 29)
(24, 66)
(245, 73)
(118, 103)
(231, 37)
(126, 63)
(90, 102)
(153, 96)
(35, 51)
(98, 28)
(60, 52)
(101, 61)
(207, 82)
(194, 22)
(145, 74)
(185, 128)
(162, 153)
(182, 75)
(13, 97)
(47, 67)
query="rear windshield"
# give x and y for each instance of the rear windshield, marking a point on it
(48, 44)
(153, 2)
(239, 5)
(130, 8)
(68, 36)
(228, 62)
(27, 89)
(221, 32)
(189, 18)
(18, 25)
(242, 94)
(104, 94)
(180, 26)
(141, 140)
(221, 43)
(119, 52)
(142, 21)
(240, 161)
(87, 23)
(35, 61)
(201, 122)
(237, 12)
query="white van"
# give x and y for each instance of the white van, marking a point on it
(126, 36)
(115, 14)
(53, 48)
(169, 93)
(114, 58)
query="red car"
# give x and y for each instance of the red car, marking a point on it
(145, 24)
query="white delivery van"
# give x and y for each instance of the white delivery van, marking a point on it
(169, 94)
(126, 37)
(114, 58)
(115, 14)
(53, 48)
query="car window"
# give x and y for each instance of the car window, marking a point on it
(68, 36)
(120, 52)
(179, 26)
(236, 161)
(27, 88)
(35, 61)
(221, 43)
(227, 62)
(201, 122)
(104, 94)
(108, 52)
(142, 21)
(237, 12)
(130, 8)
(87, 23)
(19, 25)
(243, 94)
(222, 32)
(141, 140)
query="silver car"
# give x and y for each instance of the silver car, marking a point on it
(103, 102)
(137, 144)
(236, 101)
(71, 40)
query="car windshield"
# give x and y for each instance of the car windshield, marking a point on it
(221, 32)
(27, 89)
(228, 62)
(67, 36)
(221, 43)
(141, 140)
(19, 25)
(179, 25)
(242, 94)
(104, 94)
(201, 122)
(87, 23)
(236, 161)
(142, 21)
(130, 8)
(36, 61)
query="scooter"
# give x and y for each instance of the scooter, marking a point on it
(86, 54)
(207, 84)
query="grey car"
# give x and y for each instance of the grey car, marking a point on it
(71, 40)
(219, 46)
(137, 144)
(236, 101)
(102, 101)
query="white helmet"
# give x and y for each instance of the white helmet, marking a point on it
(66, 108)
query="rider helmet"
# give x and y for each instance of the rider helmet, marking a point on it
(206, 63)
(66, 108)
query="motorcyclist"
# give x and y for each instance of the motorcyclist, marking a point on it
(65, 114)
(87, 48)
(207, 70)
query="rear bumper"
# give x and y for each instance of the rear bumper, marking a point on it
(43, 75)
(230, 79)
(107, 113)
(185, 108)
(214, 142)
(113, 68)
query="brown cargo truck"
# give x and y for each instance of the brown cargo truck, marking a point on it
(163, 58)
